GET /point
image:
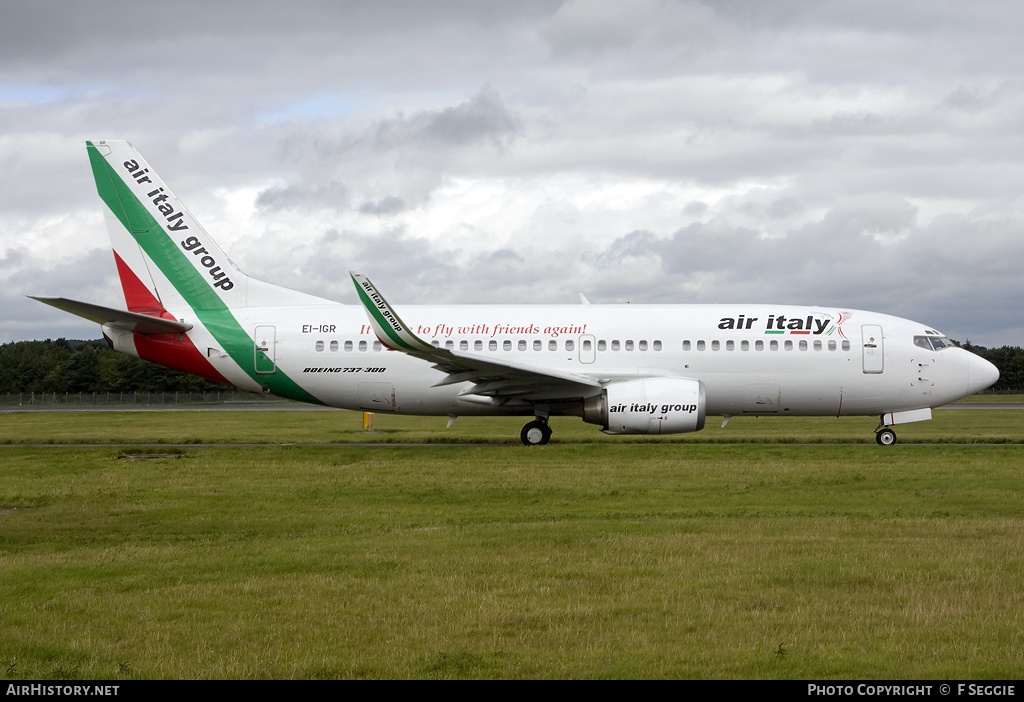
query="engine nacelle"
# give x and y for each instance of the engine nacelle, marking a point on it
(648, 406)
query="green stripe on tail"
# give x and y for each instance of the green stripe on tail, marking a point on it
(195, 289)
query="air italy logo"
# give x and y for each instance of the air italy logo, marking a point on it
(816, 324)
(160, 198)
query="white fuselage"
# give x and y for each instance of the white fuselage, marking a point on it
(751, 359)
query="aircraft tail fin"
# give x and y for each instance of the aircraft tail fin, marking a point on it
(165, 259)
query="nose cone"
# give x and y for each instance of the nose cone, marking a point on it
(980, 374)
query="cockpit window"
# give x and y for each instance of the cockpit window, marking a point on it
(936, 343)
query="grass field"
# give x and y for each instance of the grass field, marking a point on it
(275, 427)
(771, 549)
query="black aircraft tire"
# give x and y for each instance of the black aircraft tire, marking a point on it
(535, 433)
(886, 437)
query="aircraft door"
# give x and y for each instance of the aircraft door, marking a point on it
(874, 353)
(264, 355)
(588, 351)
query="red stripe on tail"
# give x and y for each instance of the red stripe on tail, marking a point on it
(137, 296)
(172, 350)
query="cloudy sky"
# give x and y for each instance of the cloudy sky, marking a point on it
(863, 154)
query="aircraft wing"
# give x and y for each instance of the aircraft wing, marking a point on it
(502, 381)
(122, 319)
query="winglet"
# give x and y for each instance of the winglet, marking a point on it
(387, 325)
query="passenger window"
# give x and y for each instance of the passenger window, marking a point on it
(552, 345)
(522, 344)
(715, 346)
(319, 346)
(744, 345)
(686, 345)
(832, 345)
(730, 345)
(789, 344)
(846, 345)
(348, 345)
(700, 345)
(629, 344)
(759, 345)
(377, 346)
(569, 345)
(803, 344)
(587, 345)
(817, 344)
(463, 345)
(538, 345)
(334, 346)
(506, 345)
(657, 345)
(362, 345)
(643, 345)
(450, 345)
(478, 345)
(492, 345)
(615, 344)
(602, 345)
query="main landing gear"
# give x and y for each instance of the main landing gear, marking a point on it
(536, 433)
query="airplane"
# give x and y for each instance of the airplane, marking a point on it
(628, 368)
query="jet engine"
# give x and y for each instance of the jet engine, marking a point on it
(648, 406)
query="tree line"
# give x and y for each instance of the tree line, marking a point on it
(64, 366)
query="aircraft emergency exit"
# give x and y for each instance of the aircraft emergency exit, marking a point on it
(630, 369)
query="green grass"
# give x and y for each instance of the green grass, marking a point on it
(304, 427)
(593, 558)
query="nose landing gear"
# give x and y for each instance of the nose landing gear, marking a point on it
(885, 436)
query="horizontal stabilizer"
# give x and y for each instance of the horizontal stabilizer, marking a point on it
(130, 321)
